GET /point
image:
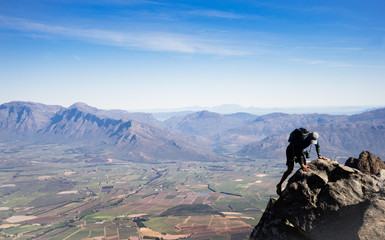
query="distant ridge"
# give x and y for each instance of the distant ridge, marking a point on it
(234, 108)
(340, 135)
(202, 135)
(125, 139)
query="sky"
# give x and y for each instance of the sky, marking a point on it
(152, 54)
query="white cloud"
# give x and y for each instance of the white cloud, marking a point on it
(332, 48)
(319, 62)
(328, 63)
(155, 41)
(219, 14)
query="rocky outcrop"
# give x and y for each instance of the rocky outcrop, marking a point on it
(331, 201)
(366, 163)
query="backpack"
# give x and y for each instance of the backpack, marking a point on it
(298, 135)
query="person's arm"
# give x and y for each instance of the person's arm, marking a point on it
(317, 149)
(304, 167)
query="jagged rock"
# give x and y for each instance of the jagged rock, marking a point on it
(332, 202)
(366, 163)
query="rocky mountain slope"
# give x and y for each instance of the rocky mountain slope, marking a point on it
(331, 201)
(25, 118)
(86, 126)
(266, 136)
(235, 131)
(204, 123)
(205, 133)
(117, 114)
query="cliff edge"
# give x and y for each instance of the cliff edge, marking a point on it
(331, 201)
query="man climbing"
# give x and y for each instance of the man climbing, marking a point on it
(299, 140)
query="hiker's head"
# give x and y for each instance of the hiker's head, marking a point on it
(314, 137)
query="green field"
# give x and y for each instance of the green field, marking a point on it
(68, 201)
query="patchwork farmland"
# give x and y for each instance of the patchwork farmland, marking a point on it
(124, 200)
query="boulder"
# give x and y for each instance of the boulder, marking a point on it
(331, 201)
(366, 163)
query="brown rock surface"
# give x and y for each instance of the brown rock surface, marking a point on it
(366, 163)
(331, 201)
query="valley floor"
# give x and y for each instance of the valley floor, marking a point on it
(125, 200)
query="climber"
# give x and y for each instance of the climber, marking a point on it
(299, 139)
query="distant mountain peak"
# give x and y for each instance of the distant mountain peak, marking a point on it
(30, 105)
(25, 117)
(79, 104)
(18, 103)
(206, 113)
(84, 107)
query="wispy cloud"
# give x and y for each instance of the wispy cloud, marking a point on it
(332, 48)
(219, 14)
(304, 8)
(154, 41)
(379, 28)
(333, 64)
(318, 62)
(117, 2)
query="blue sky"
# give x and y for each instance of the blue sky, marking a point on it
(170, 54)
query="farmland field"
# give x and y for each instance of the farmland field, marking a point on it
(125, 200)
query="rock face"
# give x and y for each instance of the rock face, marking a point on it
(366, 163)
(331, 201)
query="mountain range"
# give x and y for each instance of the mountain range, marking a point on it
(200, 136)
(164, 114)
(110, 132)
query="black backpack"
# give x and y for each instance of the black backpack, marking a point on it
(298, 135)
